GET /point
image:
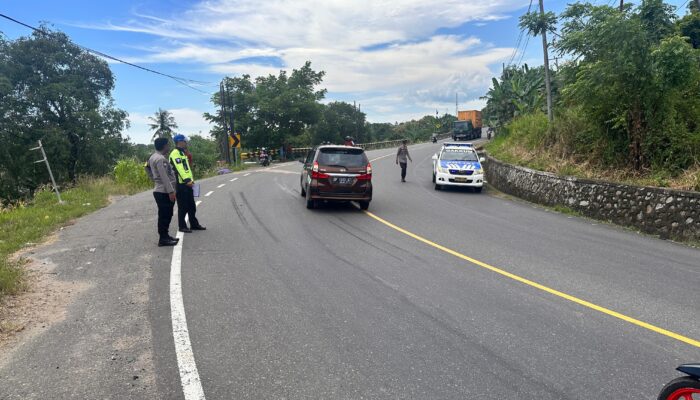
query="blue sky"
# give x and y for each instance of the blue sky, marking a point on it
(400, 59)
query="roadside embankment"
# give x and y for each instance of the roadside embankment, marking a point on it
(668, 213)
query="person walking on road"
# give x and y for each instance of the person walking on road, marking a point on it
(186, 206)
(162, 174)
(402, 158)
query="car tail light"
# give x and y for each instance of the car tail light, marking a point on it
(368, 175)
(315, 174)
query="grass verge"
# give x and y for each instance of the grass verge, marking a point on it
(24, 225)
(511, 150)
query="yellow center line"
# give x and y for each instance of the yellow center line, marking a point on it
(544, 288)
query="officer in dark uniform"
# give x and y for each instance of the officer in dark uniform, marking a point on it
(186, 205)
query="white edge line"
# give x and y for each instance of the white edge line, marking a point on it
(189, 376)
(198, 203)
(233, 180)
(222, 185)
(209, 194)
(247, 174)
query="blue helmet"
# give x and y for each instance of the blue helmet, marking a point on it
(179, 138)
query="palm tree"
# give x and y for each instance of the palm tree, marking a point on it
(163, 124)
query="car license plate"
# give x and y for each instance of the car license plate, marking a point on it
(462, 180)
(342, 180)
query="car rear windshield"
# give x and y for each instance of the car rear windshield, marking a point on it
(458, 155)
(347, 158)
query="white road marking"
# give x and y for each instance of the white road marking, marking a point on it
(247, 174)
(379, 158)
(209, 194)
(233, 180)
(222, 185)
(198, 202)
(189, 376)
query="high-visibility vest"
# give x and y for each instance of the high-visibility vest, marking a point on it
(181, 165)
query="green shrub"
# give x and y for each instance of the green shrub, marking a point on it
(131, 173)
(530, 130)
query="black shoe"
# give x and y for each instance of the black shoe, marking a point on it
(185, 230)
(199, 228)
(174, 238)
(167, 242)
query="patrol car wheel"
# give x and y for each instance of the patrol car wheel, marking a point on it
(438, 187)
(433, 177)
(478, 189)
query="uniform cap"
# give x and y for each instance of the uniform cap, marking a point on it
(179, 138)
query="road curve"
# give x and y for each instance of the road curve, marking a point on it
(285, 302)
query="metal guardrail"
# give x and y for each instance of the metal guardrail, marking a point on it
(301, 151)
(296, 151)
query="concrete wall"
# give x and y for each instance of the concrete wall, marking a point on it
(668, 213)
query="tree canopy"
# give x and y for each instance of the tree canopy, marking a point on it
(53, 90)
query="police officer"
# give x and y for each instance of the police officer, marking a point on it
(162, 174)
(186, 205)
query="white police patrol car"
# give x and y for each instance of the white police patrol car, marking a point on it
(458, 164)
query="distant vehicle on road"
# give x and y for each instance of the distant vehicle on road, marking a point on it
(458, 164)
(475, 117)
(463, 130)
(336, 173)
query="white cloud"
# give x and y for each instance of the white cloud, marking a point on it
(408, 62)
(190, 122)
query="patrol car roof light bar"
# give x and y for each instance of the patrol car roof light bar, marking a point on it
(48, 166)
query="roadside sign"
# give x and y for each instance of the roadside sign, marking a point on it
(234, 140)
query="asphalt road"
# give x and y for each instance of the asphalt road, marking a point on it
(285, 302)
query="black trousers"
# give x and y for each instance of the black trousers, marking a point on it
(186, 206)
(165, 213)
(403, 169)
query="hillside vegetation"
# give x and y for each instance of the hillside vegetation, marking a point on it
(626, 105)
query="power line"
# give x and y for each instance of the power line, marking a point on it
(520, 37)
(182, 81)
(522, 55)
(682, 5)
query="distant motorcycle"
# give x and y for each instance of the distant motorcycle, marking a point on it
(264, 159)
(683, 388)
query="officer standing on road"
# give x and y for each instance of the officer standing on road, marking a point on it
(402, 158)
(186, 205)
(164, 192)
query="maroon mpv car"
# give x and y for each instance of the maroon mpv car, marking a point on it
(336, 173)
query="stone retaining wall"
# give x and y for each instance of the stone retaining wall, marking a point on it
(668, 213)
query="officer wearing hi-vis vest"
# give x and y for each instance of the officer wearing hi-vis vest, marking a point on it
(186, 205)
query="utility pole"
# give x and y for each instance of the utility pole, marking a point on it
(622, 3)
(456, 104)
(547, 82)
(226, 122)
(48, 166)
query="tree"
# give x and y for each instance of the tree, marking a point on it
(163, 124)
(634, 79)
(689, 25)
(519, 91)
(539, 24)
(53, 90)
(273, 110)
(338, 120)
